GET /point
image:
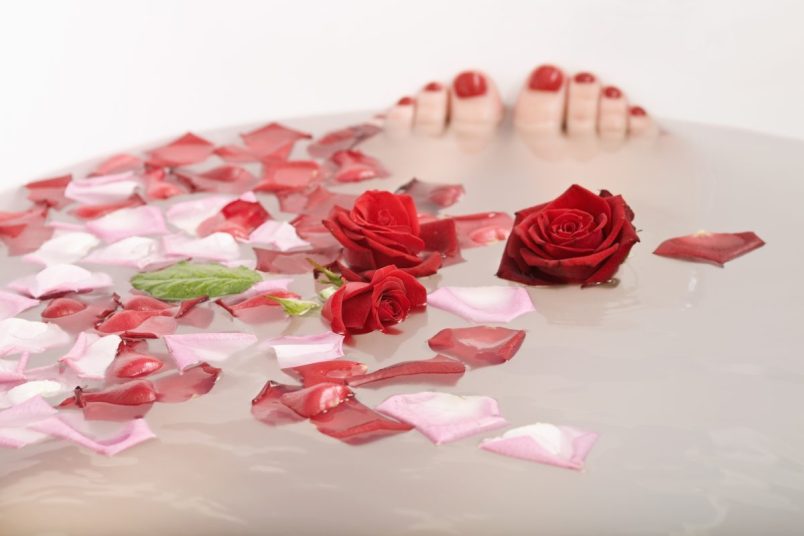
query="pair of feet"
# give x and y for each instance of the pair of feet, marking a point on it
(549, 103)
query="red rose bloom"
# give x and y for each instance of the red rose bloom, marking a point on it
(579, 237)
(360, 307)
(383, 229)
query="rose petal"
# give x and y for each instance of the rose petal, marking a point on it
(122, 402)
(13, 304)
(444, 417)
(15, 422)
(239, 218)
(316, 399)
(182, 386)
(483, 228)
(478, 345)
(132, 433)
(138, 221)
(188, 215)
(279, 174)
(355, 166)
(159, 184)
(278, 235)
(483, 304)
(188, 149)
(139, 324)
(355, 423)
(49, 192)
(562, 446)
(333, 371)
(294, 351)
(216, 247)
(273, 139)
(59, 279)
(63, 248)
(295, 262)
(267, 286)
(91, 355)
(44, 388)
(119, 163)
(133, 365)
(437, 365)
(267, 407)
(136, 251)
(715, 248)
(235, 154)
(191, 348)
(89, 212)
(431, 197)
(223, 179)
(102, 190)
(341, 140)
(18, 336)
(24, 231)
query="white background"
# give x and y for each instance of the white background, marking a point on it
(85, 78)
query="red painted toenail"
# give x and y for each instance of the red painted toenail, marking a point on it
(470, 84)
(405, 101)
(584, 78)
(611, 92)
(638, 111)
(433, 86)
(546, 78)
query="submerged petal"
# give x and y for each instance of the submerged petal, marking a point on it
(182, 386)
(188, 349)
(294, 351)
(483, 304)
(444, 417)
(715, 248)
(562, 446)
(91, 355)
(431, 197)
(478, 345)
(13, 304)
(354, 423)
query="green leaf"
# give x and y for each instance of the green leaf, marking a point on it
(332, 277)
(184, 281)
(326, 292)
(295, 307)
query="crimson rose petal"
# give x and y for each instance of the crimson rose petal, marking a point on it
(238, 218)
(49, 192)
(182, 386)
(282, 175)
(715, 248)
(355, 166)
(483, 228)
(273, 139)
(334, 371)
(478, 345)
(437, 365)
(316, 399)
(130, 365)
(188, 149)
(354, 423)
(121, 402)
(266, 407)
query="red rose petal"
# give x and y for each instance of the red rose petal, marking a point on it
(483, 228)
(333, 371)
(188, 149)
(229, 179)
(49, 192)
(317, 203)
(234, 154)
(119, 163)
(342, 140)
(188, 306)
(280, 175)
(478, 345)
(61, 307)
(316, 399)
(355, 166)
(145, 303)
(273, 139)
(90, 212)
(158, 184)
(192, 382)
(430, 197)
(267, 408)
(294, 262)
(439, 364)
(24, 231)
(129, 365)
(238, 218)
(355, 423)
(139, 324)
(130, 400)
(441, 236)
(69, 314)
(715, 248)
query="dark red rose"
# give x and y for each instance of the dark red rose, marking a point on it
(360, 307)
(383, 229)
(579, 237)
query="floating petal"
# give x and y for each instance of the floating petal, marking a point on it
(342, 140)
(182, 386)
(295, 262)
(355, 423)
(482, 229)
(49, 192)
(60, 279)
(215, 247)
(91, 355)
(437, 365)
(355, 166)
(188, 215)
(19, 336)
(279, 175)
(478, 345)
(294, 351)
(268, 408)
(137, 221)
(90, 212)
(316, 399)
(715, 248)
(183, 151)
(431, 197)
(278, 235)
(562, 446)
(63, 248)
(333, 371)
(102, 190)
(273, 139)
(188, 349)
(136, 251)
(13, 304)
(483, 304)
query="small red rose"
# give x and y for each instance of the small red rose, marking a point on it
(580, 237)
(383, 229)
(387, 299)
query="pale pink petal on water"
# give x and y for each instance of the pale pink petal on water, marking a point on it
(188, 349)
(444, 417)
(65, 247)
(103, 189)
(60, 279)
(12, 304)
(483, 304)
(478, 345)
(714, 248)
(16, 420)
(183, 151)
(214, 247)
(561, 446)
(19, 336)
(44, 388)
(294, 351)
(132, 433)
(137, 221)
(91, 355)
(136, 251)
(278, 235)
(188, 215)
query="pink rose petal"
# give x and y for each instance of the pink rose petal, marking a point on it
(188, 215)
(16, 422)
(355, 166)
(278, 235)
(279, 175)
(119, 163)
(137, 221)
(183, 151)
(356, 424)
(235, 154)
(482, 229)
(561, 446)
(60, 279)
(224, 179)
(188, 349)
(91, 355)
(342, 140)
(483, 304)
(103, 189)
(478, 345)
(49, 192)
(90, 212)
(44, 388)
(431, 197)
(159, 184)
(273, 139)
(132, 433)
(295, 262)
(136, 251)
(24, 231)
(715, 248)
(444, 417)
(239, 218)
(215, 247)
(193, 382)
(294, 351)
(63, 248)
(268, 408)
(13, 304)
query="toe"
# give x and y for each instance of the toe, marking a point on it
(582, 104)
(540, 106)
(432, 106)
(612, 120)
(475, 105)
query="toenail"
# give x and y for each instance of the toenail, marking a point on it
(405, 101)
(546, 78)
(470, 84)
(611, 92)
(638, 111)
(433, 86)
(584, 78)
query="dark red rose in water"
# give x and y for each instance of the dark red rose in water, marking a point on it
(359, 307)
(580, 237)
(383, 229)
